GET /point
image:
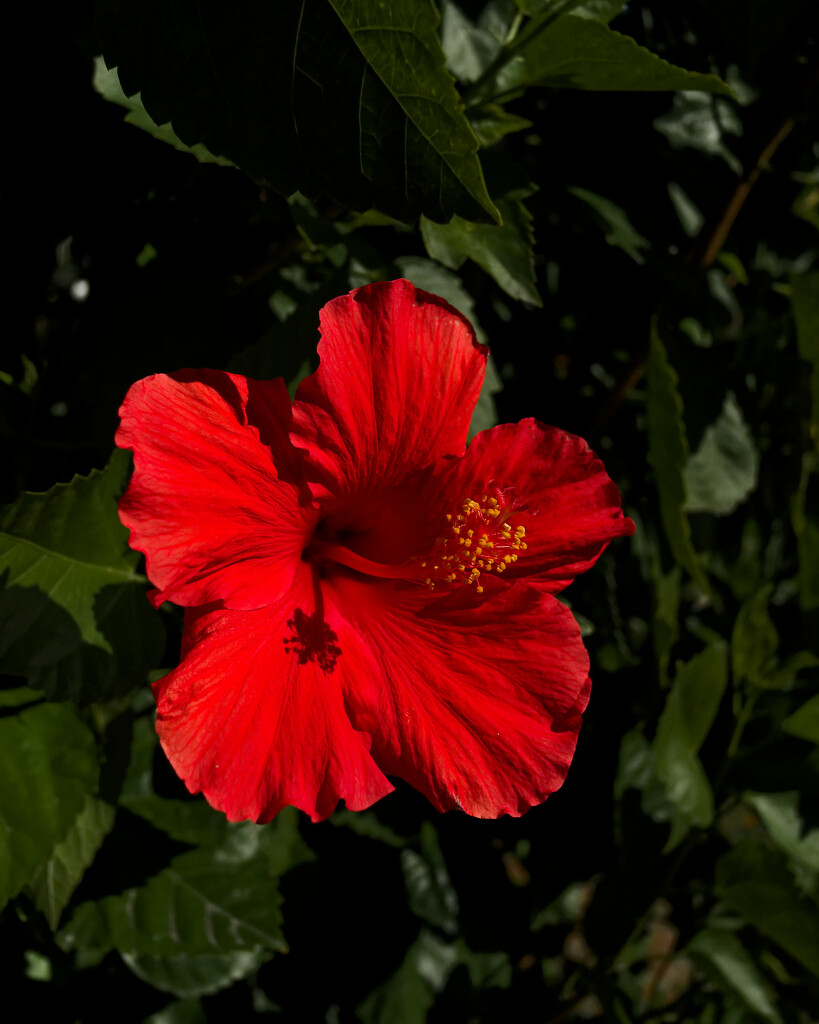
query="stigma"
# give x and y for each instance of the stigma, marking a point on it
(482, 538)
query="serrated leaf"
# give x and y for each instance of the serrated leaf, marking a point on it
(732, 968)
(668, 451)
(336, 97)
(77, 621)
(723, 471)
(505, 252)
(106, 83)
(779, 813)
(48, 764)
(54, 882)
(192, 976)
(686, 719)
(584, 53)
(755, 882)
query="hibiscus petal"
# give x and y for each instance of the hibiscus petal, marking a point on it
(570, 508)
(256, 723)
(399, 376)
(217, 518)
(475, 702)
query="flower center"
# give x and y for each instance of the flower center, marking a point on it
(481, 539)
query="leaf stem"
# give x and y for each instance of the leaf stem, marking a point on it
(553, 10)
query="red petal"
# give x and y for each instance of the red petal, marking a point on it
(206, 502)
(476, 703)
(573, 506)
(257, 725)
(400, 374)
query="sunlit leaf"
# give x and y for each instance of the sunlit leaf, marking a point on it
(804, 722)
(54, 882)
(78, 623)
(723, 471)
(49, 766)
(731, 967)
(505, 252)
(583, 53)
(106, 82)
(334, 97)
(429, 888)
(686, 720)
(780, 815)
(407, 996)
(189, 976)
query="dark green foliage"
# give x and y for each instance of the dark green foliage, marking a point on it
(651, 285)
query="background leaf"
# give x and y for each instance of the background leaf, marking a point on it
(723, 470)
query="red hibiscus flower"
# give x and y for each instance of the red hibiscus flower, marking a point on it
(365, 596)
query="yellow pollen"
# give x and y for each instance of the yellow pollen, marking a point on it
(482, 538)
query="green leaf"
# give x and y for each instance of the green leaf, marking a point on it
(348, 98)
(430, 891)
(755, 882)
(780, 815)
(804, 722)
(106, 82)
(192, 976)
(701, 123)
(54, 882)
(78, 621)
(183, 1011)
(754, 640)
(668, 451)
(687, 717)
(805, 299)
(620, 232)
(729, 966)
(469, 49)
(48, 764)
(505, 252)
(491, 122)
(407, 996)
(583, 53)
(723, 471)
(203, 903)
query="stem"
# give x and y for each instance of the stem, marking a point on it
(739, 728)
(511, 47)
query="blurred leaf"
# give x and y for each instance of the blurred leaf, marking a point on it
(48, 764)
(486, 970)
(668, 451)
(582, 53)
(619, 230)
(723, 471)
(804, 722)
(701, 123)
(601, 10)
(808, 546)
(491, 123)
(469, 48)
(106, 82)
(78, 622)
(54, 882)
(432, 277)
(191, 976)
(430, 891)
(666, 617)
(687, 717)
(505, 252)
(755, 882)
(334, 97)
(805, 299)
(780, 815)
(732, 968)
(754, 640)
(408, 995)
(183, 1011)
